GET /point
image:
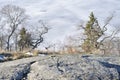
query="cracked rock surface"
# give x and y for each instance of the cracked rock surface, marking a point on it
(16, 70)
(62, 67)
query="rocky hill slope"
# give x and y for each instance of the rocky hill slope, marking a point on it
(62, 67)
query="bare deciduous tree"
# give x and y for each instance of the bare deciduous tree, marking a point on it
(37, 35)
(2, 34)
(14, 16)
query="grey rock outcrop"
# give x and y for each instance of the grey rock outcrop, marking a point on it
(75, 67)
(62, 67)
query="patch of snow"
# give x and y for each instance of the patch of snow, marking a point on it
(41, 54)
(29, 53)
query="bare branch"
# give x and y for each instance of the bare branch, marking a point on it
(107, 22)
(14, 16)
(39, 38)
(112, 36)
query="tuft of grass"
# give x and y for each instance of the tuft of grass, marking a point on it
(35, 52)
(18, 55)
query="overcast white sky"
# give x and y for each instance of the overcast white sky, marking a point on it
(64, 15)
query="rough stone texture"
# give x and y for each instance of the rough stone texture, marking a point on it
(75, 67)
(16, 70)
(62, 67)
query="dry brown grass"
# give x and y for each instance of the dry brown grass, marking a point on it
(35, 52)
(19, 55)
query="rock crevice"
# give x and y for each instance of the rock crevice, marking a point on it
(62, 67)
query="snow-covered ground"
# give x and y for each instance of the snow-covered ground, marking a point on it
(62, 67)
(64, 15)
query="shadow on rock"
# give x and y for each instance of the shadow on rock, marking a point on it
(108, 65)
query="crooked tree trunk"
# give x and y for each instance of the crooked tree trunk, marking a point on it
(9, 37)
